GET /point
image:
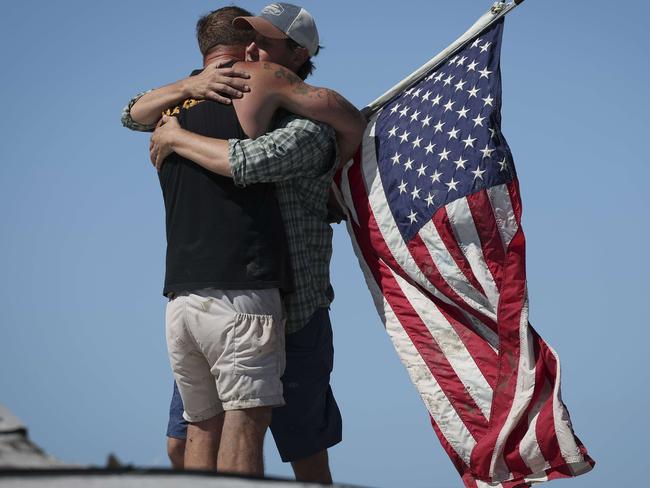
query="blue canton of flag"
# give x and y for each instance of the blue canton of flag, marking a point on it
(441, 138)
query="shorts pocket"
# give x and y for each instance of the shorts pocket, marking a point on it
(256, 345)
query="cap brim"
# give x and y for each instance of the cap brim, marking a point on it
(259, 25)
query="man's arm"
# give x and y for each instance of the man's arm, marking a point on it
(144, 110)
(301, 148)
(273, 86)
(127, 120)
(324, 105)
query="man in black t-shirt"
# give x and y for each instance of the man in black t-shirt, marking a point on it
(226, 265)
(254, 121)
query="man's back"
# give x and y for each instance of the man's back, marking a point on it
(219, 235)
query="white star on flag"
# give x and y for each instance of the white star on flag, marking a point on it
(478, 173)
(452, 185)
(469, 142)
(487, 152)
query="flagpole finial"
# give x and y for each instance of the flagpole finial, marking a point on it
(498, 7)
(496, 12)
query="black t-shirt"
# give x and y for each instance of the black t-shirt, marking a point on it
(219, 235)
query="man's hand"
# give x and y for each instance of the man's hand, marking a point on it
(216, 83)
(162, 139)
(213, 83)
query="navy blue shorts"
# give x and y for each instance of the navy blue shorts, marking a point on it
(310, 421)
(177, 425)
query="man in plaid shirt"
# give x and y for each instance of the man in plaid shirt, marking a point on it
(300, 157)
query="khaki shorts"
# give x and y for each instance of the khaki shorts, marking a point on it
(226, 349)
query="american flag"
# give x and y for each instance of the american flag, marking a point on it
(435, 218)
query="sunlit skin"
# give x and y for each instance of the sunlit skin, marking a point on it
(276, 51)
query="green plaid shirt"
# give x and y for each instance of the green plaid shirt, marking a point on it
(299, 156)
(128, 122)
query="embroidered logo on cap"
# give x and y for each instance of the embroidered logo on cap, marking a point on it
(273, 9)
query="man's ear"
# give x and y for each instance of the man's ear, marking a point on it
(300, 55)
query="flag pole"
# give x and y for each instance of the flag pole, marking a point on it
(496, 12)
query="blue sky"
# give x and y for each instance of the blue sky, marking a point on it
(82, 353)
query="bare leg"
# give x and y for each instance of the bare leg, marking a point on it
(313, 469)
(176, 452)
(242, 442)
(202, 446)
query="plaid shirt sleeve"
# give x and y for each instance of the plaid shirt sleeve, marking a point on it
(128, 122)
(297, 148)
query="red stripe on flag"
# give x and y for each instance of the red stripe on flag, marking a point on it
(457, 461)
(468, 479)
(371, 248)
(483, 355)
(554, 474)
(511, 301)
(512, 457)
(338, 175)
(465, 472)
(422, 258)
(450, 311)
(546, 435)
(481, 352)
(443, 225)
(488, 233)
(357, 188)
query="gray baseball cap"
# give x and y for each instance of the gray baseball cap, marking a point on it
(281, 21)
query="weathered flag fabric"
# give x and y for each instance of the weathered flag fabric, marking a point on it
(435, 217)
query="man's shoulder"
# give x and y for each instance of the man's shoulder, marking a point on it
(273, 79)
(268, 71)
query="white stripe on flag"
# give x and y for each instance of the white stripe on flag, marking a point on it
(524, 389)
(451, 345)
(435, 401)
(448, 268)
(462, 223)
(565, 437)
(483, 484)
(484, 332)
(538, 477)
(346, 193)
(504, 214)
(528, 446)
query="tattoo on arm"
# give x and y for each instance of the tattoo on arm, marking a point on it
(296, 83)
(336, 100)
(333, 99)
(288, 75)
(310, 91)
(283, 73)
